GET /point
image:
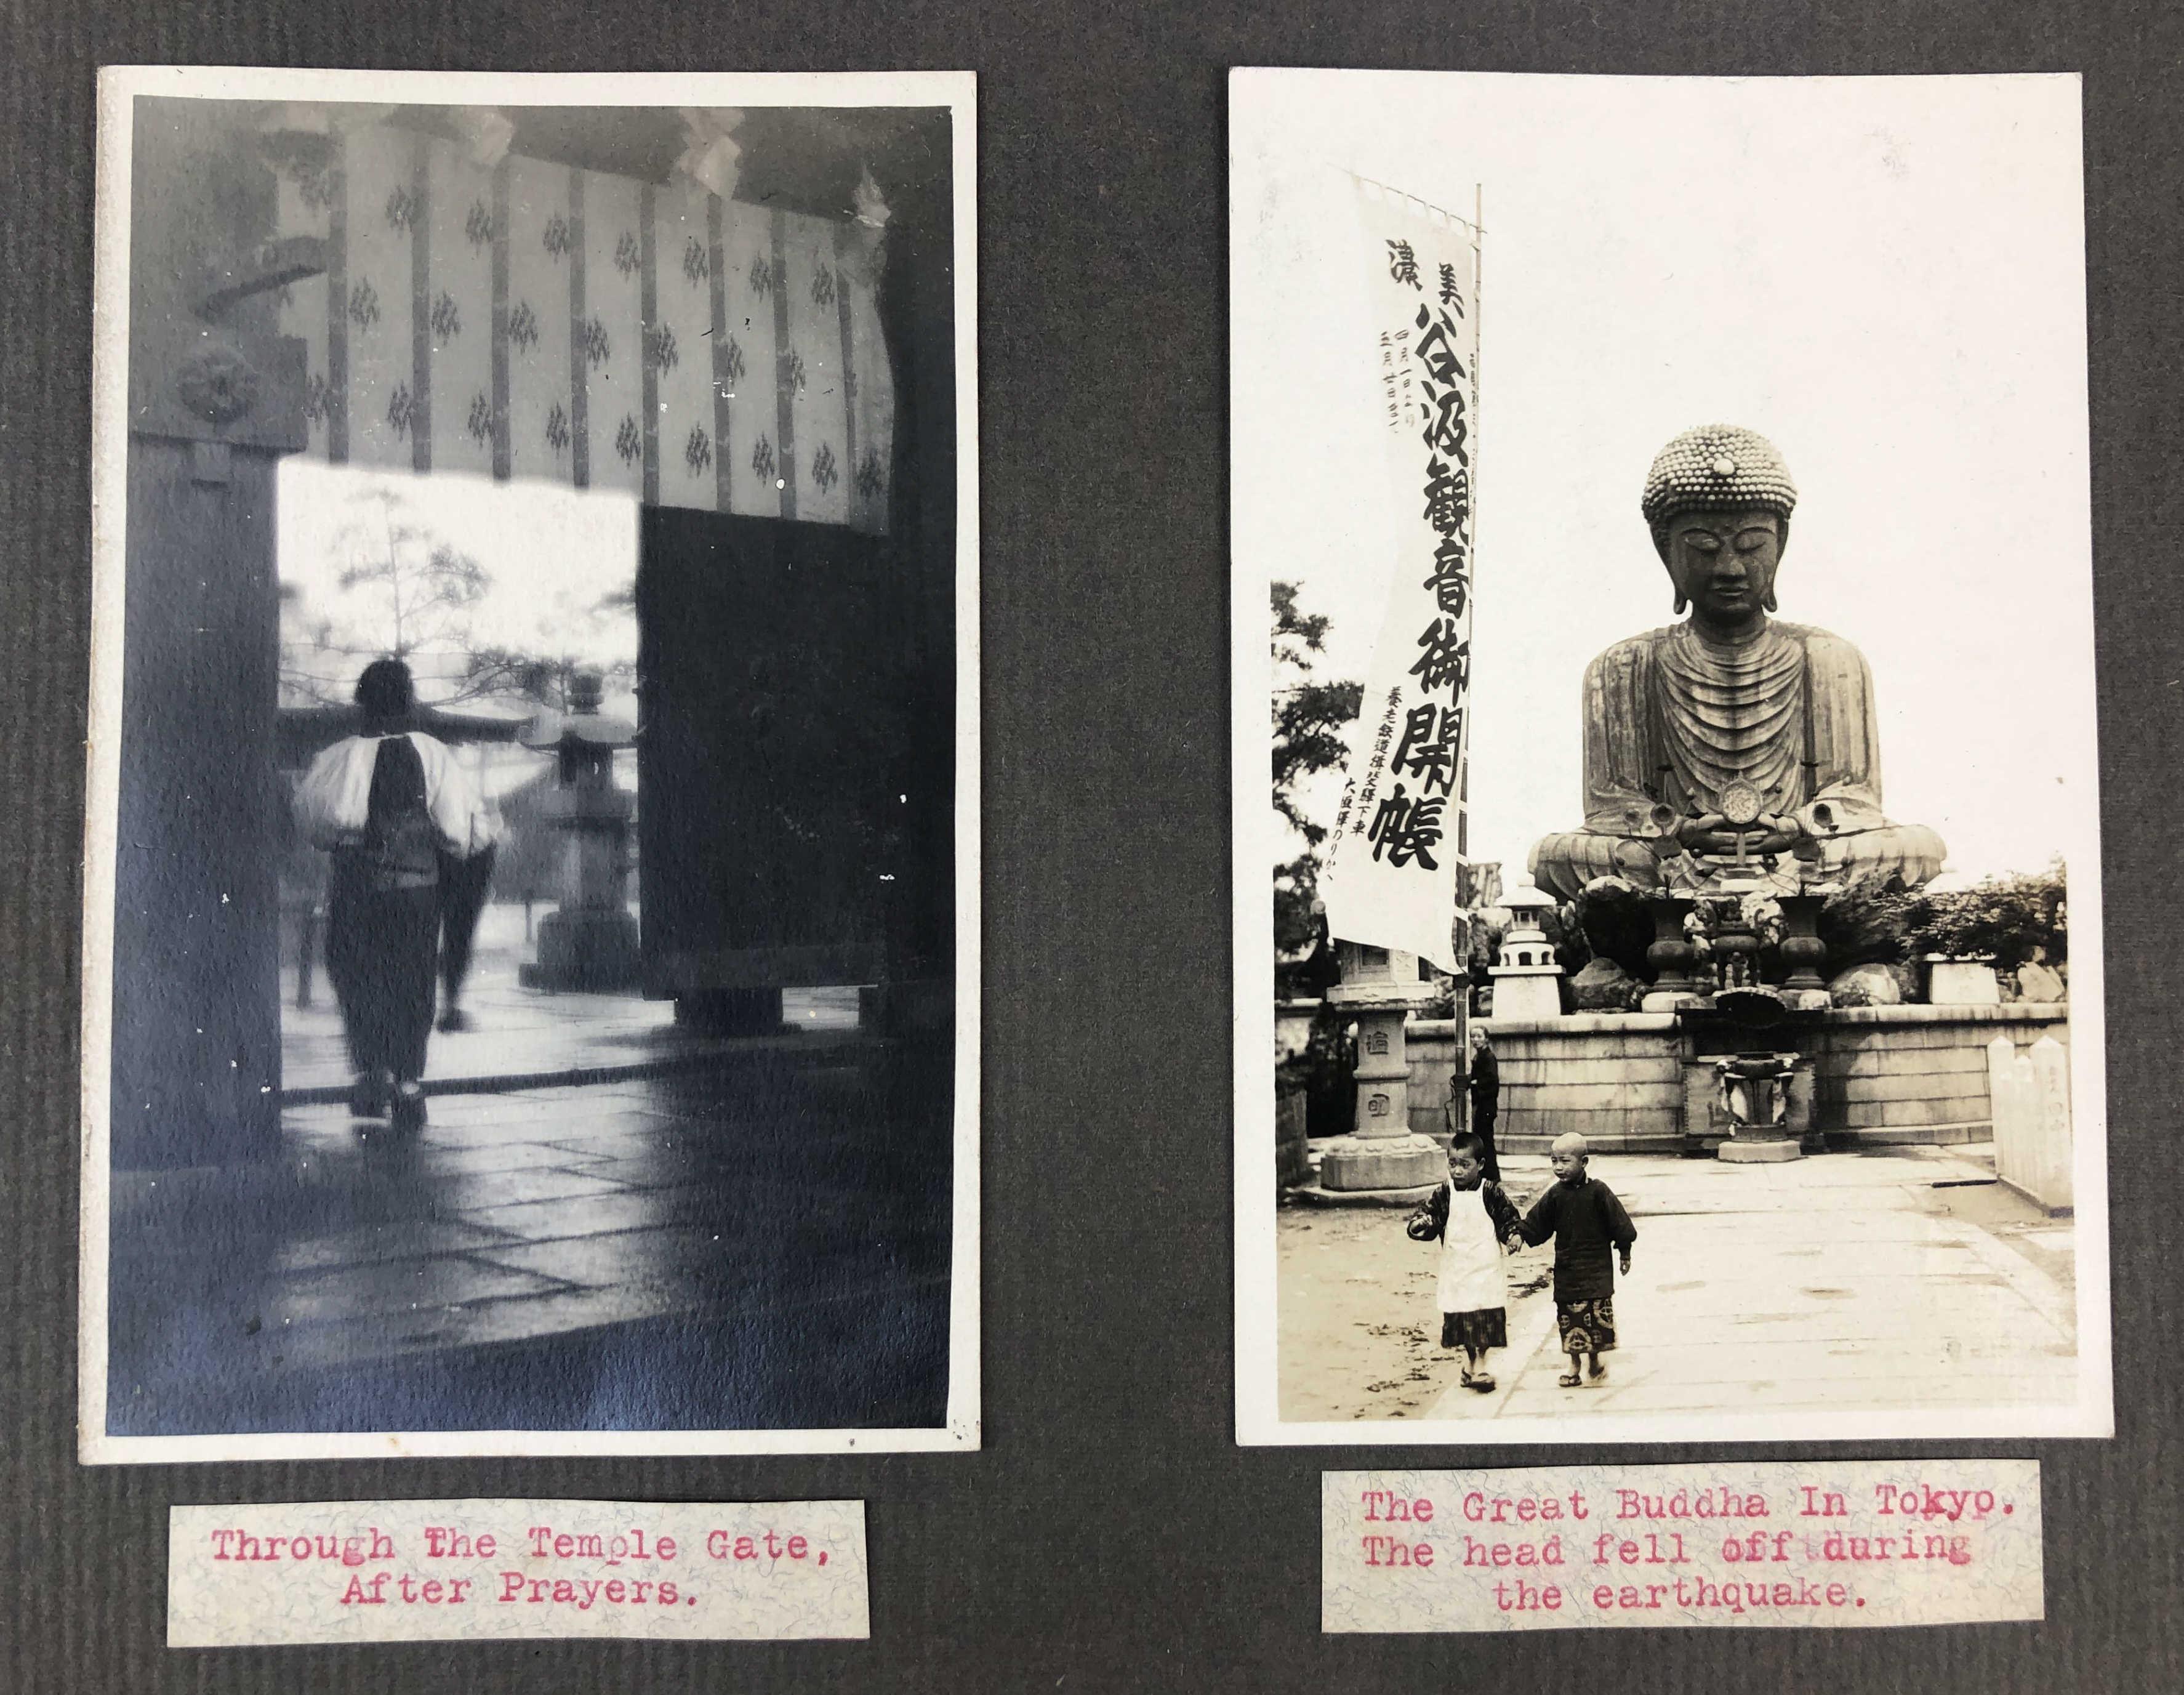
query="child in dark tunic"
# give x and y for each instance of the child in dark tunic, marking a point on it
(1473, 1290)
(1590, 1231)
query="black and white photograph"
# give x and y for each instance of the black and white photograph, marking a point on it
(1629, 473)
(531, 960)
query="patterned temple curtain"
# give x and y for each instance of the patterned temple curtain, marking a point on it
(534, 320)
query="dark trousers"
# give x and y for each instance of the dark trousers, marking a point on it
(463, 886)
(1482, 1126)
(380, 945)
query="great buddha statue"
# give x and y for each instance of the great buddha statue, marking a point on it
(1732, 750)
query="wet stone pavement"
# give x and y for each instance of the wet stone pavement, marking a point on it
(762, 1243)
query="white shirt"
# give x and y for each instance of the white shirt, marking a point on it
(335, 793)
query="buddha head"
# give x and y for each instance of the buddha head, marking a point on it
(1719, 501)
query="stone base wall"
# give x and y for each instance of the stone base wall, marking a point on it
(1636, 1082)
(1918, 1074)
(1435, 1051)
(1617, 1079)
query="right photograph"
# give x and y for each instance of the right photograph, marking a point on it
(1668, 996)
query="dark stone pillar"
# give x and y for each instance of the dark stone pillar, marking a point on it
(215, 397)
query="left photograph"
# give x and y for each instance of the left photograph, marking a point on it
(530, 991)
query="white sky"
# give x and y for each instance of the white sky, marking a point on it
(1885, 276)
(552, 552)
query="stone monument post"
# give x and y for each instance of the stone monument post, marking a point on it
(1380, 988)
(2028, 1096)
(2051, 1092)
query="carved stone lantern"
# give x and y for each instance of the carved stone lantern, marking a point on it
(1380, 988)
(1528, 981)
(590, 942)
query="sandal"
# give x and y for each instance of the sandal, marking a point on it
(1598, 1375)
(1483, 1383)
(1569, 1379)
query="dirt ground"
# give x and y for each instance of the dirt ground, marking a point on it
(1360, 1333)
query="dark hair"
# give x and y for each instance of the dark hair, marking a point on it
(1466, 1141)
(385, 690)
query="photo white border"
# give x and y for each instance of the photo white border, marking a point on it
(118, 88)
(1258, 847)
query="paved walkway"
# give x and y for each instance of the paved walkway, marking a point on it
(1836, 1283)
(530, 1034)
(764, 1243)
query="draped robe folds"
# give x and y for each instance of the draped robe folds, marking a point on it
(1671, 718)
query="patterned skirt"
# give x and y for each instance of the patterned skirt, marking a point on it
(1587, 1326)
(1488, 1327)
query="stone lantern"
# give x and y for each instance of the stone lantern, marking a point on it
(1380, 988)
(590, 942)
(1527, 980)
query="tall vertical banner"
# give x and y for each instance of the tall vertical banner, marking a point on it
(1395, 868)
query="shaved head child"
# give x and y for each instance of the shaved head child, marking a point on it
(1591, 1231)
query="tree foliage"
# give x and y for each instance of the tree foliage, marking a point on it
(401, 591)
(1308, 714)
(2002, 917)
(1308, 718)
(542, 677)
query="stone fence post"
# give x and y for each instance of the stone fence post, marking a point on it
(2030, 1091)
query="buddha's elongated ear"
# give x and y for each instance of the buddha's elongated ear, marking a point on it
(1659, 527)
(1782, 547)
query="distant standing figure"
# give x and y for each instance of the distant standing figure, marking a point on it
(387, 803)
(1485, 1091)
(463, 885)
(1591, 1229)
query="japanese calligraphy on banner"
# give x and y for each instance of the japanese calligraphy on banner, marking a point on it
(1397, 848)
(535, 319)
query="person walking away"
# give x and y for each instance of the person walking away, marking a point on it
(386, 803)
(1485, 1091)
(465, 883)
(1471, 1219)
(1590, 1231)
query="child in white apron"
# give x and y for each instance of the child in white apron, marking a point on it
(1471, 1218)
